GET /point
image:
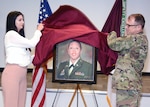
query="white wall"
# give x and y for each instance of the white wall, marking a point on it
(97, 11)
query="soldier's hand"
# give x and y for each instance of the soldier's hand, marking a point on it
(112, 33)
(111, 38)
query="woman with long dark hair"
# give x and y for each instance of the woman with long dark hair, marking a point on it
(18, 57)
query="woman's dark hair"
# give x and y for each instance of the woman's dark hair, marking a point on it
(10, 23)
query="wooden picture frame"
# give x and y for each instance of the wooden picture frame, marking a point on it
(84, 70)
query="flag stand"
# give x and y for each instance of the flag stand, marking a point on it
(76, 90)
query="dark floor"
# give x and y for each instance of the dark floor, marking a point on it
(101, 84)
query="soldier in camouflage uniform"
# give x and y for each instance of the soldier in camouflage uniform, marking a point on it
(132, 51)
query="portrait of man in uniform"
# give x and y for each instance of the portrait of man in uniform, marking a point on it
(75, 62)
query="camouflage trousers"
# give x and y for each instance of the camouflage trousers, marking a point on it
(127, 98)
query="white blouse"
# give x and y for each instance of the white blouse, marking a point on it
(16, 45)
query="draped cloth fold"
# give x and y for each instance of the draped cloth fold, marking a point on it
(66, 23)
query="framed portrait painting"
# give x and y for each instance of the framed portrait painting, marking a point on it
(74, 62)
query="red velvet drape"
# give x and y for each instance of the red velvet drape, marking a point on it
(69, 23)
(113, 23)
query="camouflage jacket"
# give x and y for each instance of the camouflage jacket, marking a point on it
(132, 52)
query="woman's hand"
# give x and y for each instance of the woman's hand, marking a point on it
(40, 27)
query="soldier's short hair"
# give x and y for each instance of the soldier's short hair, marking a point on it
(139, 18)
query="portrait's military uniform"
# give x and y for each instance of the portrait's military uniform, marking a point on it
(81, 70)
(132, 52)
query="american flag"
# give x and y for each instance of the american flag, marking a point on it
(45, 10)
(39, 76)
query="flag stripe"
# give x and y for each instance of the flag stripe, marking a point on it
(39, 85)
(43, 99)
(34, 74)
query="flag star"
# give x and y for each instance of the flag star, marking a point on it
(40, 13)
(44, 10)
(46, 15)
(41, 17)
